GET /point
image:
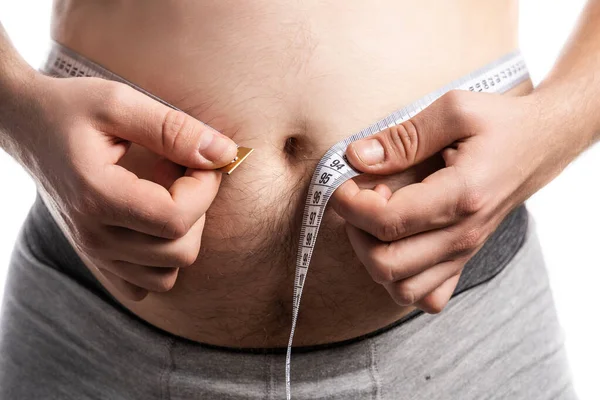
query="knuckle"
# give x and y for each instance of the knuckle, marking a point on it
(114, 96)
(135, 293)
(184, 259)
(404, 139)
(165, 281)
(404, 294)
(455, 103)
(381, 269)
(177, 130)
(343, 207)
(174, 228)
(470, 202)
(116, 93)
(453, 99)
(390, 229)
(468, 241)
(436, 306)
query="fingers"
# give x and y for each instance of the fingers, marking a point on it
(142, 263)
(112, 195)
(137, 248)
(414, 289)
(421, 269)
(148, 279)
(395, 149)
(129, 290)
(383, 190)
(391, 262)
(148, 264)
(438, 201)
(435, 301)
(133, 116)
(122, 199)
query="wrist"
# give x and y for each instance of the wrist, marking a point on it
(563, 119)
(571, 110)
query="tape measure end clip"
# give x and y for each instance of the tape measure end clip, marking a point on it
(242, 154)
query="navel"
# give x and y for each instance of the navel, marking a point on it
(292, 147)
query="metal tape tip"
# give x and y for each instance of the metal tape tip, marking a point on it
(242, 154)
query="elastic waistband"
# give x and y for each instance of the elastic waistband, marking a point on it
(48, 243)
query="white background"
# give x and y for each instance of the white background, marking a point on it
(567, 211)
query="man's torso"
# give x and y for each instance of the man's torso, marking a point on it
(288, 79)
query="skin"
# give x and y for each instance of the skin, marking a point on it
(137, 218)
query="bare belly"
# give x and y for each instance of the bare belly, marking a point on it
(288, 79)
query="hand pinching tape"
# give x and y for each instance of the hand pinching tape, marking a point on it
(333, 169)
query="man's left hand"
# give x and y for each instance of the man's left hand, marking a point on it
(498, 151)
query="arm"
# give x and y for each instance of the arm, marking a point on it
(15, 74)
(573, 85)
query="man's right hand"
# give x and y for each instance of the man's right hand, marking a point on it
(138, 233)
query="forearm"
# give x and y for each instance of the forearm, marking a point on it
(571, 91)
(16, 81)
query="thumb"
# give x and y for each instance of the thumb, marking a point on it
(170, 133)
(411, 142)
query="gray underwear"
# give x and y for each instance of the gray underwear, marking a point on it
(500, 339)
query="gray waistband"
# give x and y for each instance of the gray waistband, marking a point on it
(48, 243)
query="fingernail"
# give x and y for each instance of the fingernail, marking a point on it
(370, 151)
(214, 147)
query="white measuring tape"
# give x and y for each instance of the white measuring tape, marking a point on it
(333, 169)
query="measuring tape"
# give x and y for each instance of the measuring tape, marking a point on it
(333, 169)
